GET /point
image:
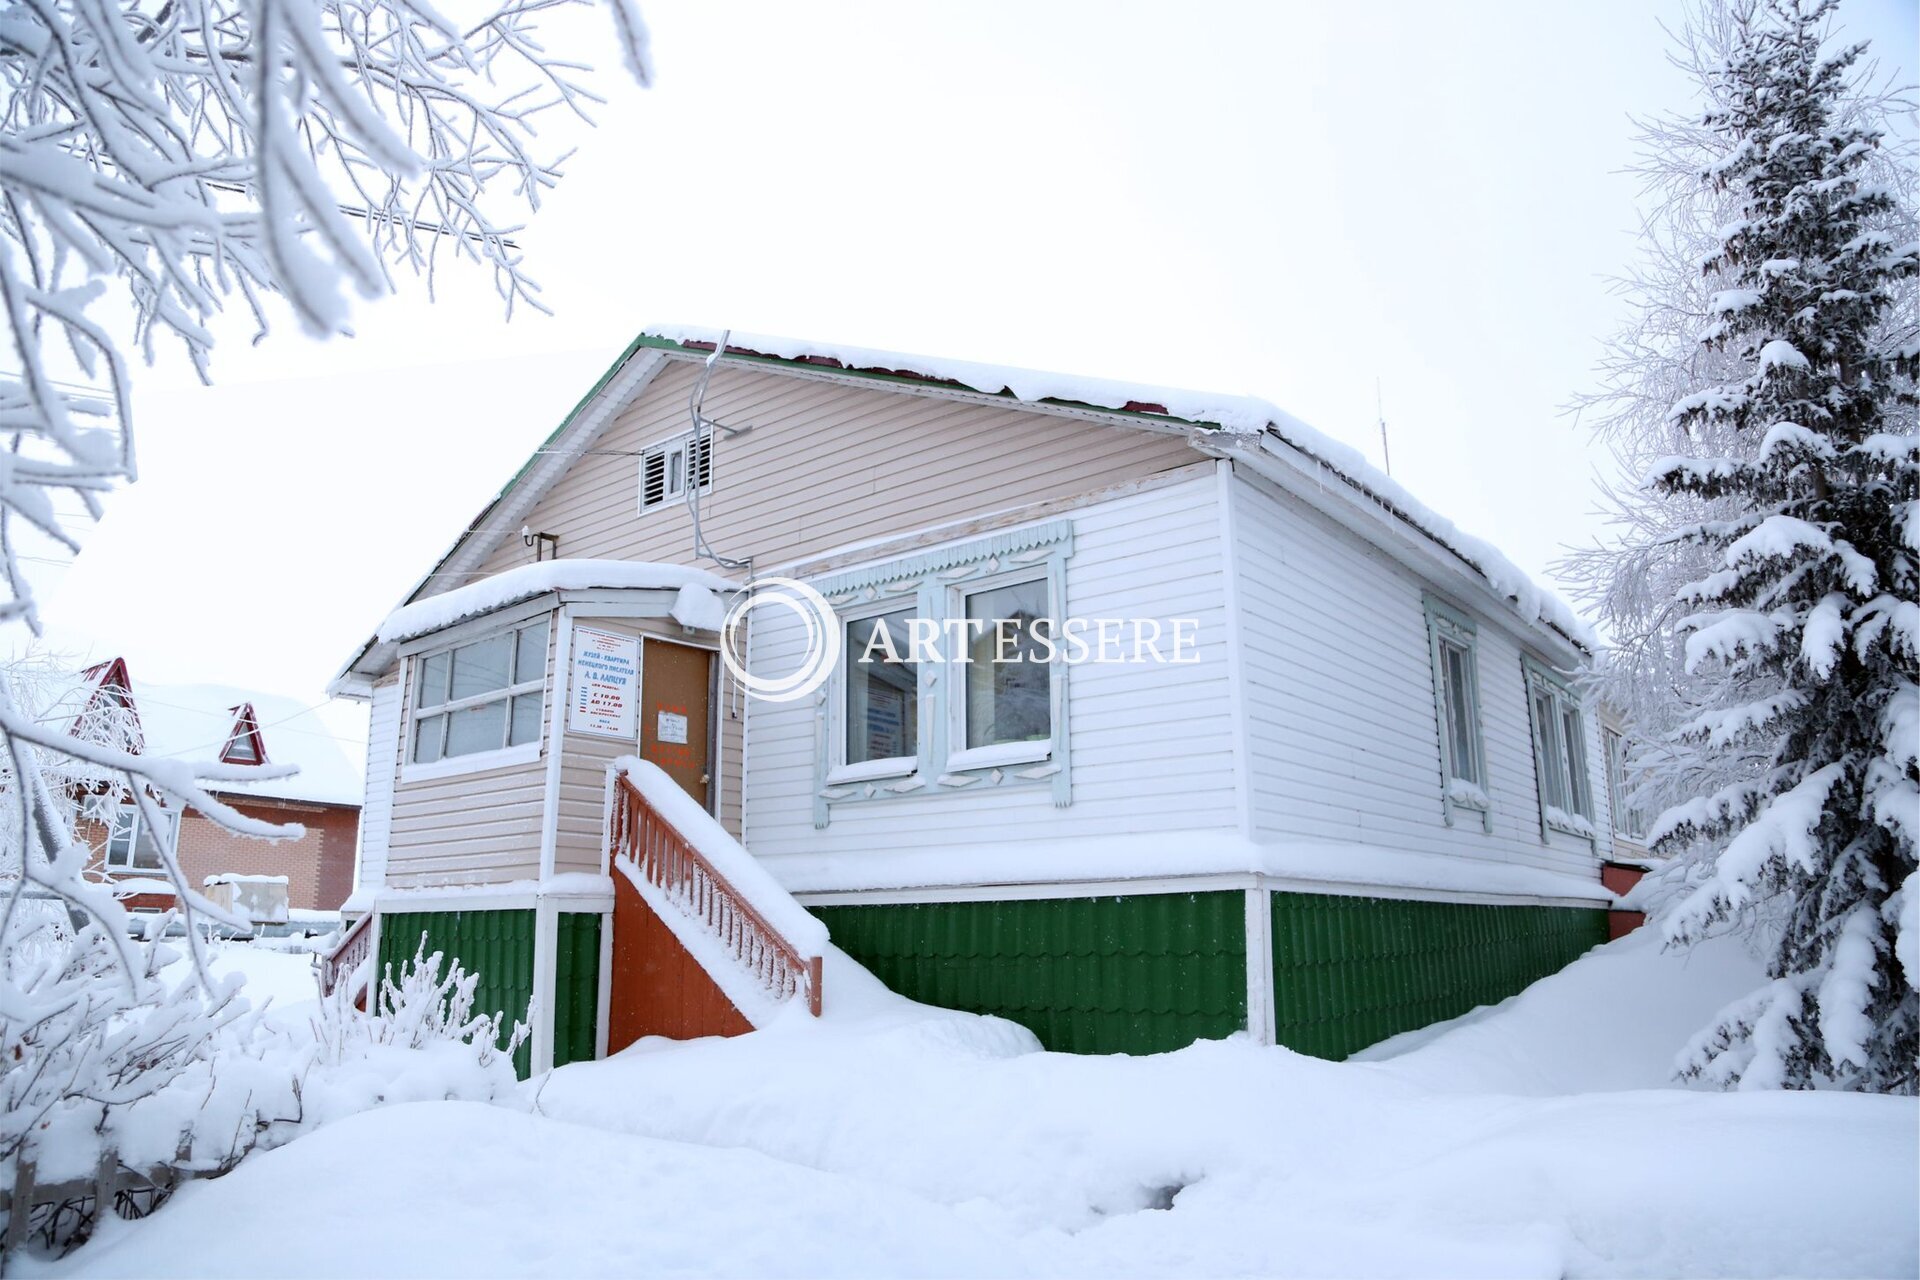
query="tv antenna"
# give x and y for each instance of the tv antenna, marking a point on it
(1380, 413)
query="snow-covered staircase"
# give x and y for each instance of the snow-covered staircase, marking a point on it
(351, 963)
(726, 916)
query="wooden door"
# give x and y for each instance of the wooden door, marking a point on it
(676, 715)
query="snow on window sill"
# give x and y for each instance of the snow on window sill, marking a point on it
(868, 770)
(1000, 754)
(1570, 823)
(1466, 795)
(478, 762)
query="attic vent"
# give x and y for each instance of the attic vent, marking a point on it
(665, 469)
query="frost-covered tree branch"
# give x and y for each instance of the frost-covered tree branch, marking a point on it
(161, 163)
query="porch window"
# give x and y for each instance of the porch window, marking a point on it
(1560, 754)
(882, 695)
(481, 697)
(1452, 645)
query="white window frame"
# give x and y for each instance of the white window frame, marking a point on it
(1543, 682)
(131, 811)
(838, 769)
(1628, 823)
(1449, 626)
(682, 448)
(999, 754)
(478, 761)
(934, 585)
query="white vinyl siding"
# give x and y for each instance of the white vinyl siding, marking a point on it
(1343, 734)
(1152, 744)
(376, 812)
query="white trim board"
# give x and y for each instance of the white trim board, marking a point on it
(1242, 880)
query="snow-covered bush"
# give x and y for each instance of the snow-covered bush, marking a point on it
(191, 1086)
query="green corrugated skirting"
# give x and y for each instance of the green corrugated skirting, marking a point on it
(497, 945)
(1137, 974)
(1349, 972)
(576, 986)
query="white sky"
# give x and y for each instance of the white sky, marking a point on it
(1275, 199)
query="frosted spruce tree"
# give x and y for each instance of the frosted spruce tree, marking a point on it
(1794, 473)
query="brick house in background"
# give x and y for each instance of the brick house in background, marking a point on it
(234, 726)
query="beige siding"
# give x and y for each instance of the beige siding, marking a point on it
(472, 828)
(583, 770)
(826, 465)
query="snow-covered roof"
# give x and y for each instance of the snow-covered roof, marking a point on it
(197, 721)
(1243, 419)
(529, 580)
(1241, 414)
(1235, 415)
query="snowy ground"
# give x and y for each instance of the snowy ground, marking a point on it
(1536, 1139)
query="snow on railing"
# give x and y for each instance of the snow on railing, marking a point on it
(661, 854)
(354, 953)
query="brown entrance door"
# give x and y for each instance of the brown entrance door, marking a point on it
(676, 720)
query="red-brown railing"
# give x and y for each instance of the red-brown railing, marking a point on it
(340, 964)
(662, 857)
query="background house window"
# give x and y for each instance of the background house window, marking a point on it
(1560, 755)
(1009, 686)
(131, 846)
(665, 469)
(1628, 821)
(883, 696)
(483, 696)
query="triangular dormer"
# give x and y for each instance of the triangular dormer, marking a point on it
(243, 743)
(107, 714)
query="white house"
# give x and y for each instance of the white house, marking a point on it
(1321, 773)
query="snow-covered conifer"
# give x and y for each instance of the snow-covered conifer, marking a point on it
(1793, 477)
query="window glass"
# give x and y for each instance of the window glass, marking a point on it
(481, 667)
(1456, 691)
(428, 733)
(1009, 687)
(1553, 759)
(1627, 820)
(433, 679)
(120, 832)
(240, 750)
(526, 719)
(883, 700)
(1579, 797)
(530, 661)
(481, 728)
